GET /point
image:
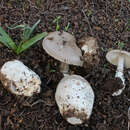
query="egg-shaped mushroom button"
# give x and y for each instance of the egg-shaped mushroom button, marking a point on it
(75, 98)
(19, 79)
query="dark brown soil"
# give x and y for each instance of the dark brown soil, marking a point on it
(113, 85)
(106, 20)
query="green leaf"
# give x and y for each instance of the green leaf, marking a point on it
(30, 42)
(57, 27)
(18, 26)
(6, 40)
(67, 27)
(56, 19)
(28, 31)
(25, 35)
(3, 40)
(33, 27)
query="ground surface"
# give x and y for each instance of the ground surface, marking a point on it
(102, 19)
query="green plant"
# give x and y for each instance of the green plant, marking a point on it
(25, 41)
(116, 19)
(105, 65)
(89, 12)
(56, 20)
(103, 49)
(120, 45)
(67, 27)
(51, 70)
(37, 2)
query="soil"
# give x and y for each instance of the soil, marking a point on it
(113, 85)
(106, 21)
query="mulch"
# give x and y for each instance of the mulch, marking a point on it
(106, 21)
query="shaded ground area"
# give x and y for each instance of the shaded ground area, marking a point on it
(105, 20)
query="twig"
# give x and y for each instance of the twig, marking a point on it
(87, 22)
(32, 5)
(38, 101)
(128, 118)
(1, 4)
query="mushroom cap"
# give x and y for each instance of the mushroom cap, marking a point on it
(113, 55)
(75, 98)
(62, 46)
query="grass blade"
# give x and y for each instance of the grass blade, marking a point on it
(30, 42)
(18, 26)
(33, 27)
(67, 27)
(25, 35)
(28, 31)
(3, 40)
(6, 40)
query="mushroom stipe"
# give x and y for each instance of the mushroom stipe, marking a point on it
(121, 59)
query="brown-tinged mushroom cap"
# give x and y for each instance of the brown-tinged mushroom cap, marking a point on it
(62, 46)
(112, 57)
(89, 45)
(90, 49)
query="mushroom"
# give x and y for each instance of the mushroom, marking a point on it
(121, 59)
(62, 46)
(74, 97)
(19, 79)
(90, 48)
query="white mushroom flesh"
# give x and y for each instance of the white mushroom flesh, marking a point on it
(119, 74)
(19, 79)
(75, 98)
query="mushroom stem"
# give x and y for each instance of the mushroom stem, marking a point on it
(119, 74)
(120, 68)
(64, 68)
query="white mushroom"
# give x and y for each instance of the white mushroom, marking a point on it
(74, 97)
(121, 59)
(90, 48)
(19, 79)
(62, 46)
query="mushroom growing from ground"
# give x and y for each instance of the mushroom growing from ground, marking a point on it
(62, 46)
(74, 97)
(90, 48)
(121, 59)
(19, 79)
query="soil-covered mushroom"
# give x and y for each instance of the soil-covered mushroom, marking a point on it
(90, 48)
(121, 59)
(19, 79)
(75, 98)
(62, 46)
